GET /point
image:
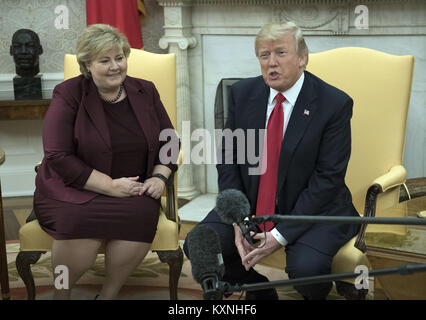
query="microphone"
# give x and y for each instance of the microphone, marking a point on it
(232, 207)
(206, 260)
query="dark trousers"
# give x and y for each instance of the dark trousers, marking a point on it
(302, 261)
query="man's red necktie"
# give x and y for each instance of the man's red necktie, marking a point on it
(271, 150)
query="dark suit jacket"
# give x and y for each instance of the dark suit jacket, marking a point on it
(312, 166)
(76, 136)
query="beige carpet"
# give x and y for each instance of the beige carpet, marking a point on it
(149, 281)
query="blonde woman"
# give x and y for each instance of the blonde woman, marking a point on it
(101, 178)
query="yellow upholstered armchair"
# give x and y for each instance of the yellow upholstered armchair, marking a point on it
(380, 85)
(34, 241)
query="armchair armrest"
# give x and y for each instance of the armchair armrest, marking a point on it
(396, 176)
(170, 210)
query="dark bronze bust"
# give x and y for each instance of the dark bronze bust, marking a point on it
(26, 49)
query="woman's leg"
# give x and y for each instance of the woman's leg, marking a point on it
(121, 259)
(77, 256)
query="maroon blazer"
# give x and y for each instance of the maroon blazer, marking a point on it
(76, 136)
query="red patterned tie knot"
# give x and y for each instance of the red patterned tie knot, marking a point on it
(280, 98)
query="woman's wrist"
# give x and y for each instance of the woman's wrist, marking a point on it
(160, 176)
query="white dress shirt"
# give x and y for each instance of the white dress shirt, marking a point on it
(288, 105)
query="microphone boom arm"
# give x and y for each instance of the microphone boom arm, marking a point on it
(402, 270)
(336, 219)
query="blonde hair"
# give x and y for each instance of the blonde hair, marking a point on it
(275, 31)
(97, 39)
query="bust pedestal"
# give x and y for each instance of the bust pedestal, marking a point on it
(27, 88)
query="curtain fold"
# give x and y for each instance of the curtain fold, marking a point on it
(126, 15)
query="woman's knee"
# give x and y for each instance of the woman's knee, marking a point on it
(120, 252)
(76, 255)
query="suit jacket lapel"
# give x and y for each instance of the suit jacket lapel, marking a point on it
(257, 104)
(93, 105)
(300, 118)
(256, 117)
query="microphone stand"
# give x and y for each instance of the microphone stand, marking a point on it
(226, 288)
(336, 219)
(402, 270)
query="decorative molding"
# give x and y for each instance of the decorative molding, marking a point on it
(177, 25)
(326, 17)
(182, 42)
(315, 18)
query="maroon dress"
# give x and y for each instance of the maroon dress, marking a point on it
(104, 217)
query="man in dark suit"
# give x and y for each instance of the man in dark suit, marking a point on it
(307, 149)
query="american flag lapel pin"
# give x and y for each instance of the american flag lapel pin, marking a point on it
(306, 112)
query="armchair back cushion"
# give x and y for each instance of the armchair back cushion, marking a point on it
(380, 85)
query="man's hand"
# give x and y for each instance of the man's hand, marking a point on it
(267, 246)
(241, 243)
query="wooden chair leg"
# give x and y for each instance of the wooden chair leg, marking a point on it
(24, 260)
(4, 274)
(175, 261)
(349, 292)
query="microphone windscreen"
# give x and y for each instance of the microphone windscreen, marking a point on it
(205, 253)
(232, 206)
